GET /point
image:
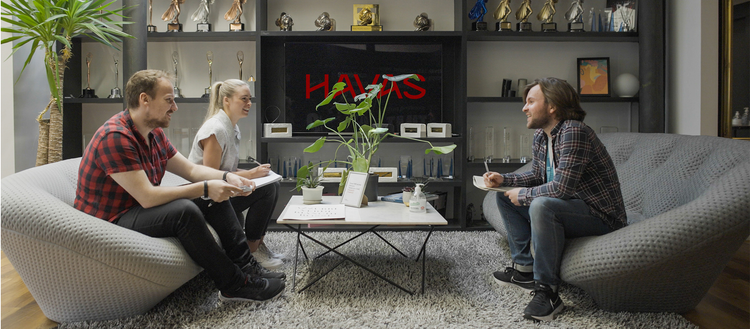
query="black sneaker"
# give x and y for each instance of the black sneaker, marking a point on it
(515, 278)
(254, 269)
(255, 289)
(545, 304)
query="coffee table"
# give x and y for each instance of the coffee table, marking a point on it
(380, 213)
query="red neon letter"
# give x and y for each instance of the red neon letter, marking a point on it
(421, 90)
(323, 84)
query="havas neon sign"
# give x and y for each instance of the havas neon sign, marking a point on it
(350, 87)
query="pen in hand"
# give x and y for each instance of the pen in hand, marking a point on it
(486, 167)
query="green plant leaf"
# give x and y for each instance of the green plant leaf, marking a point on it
(344, 107)
(378, 131)
(319, 123)
(315, 147)
(339, 86)
(441, 149)
(344, 124)
(400, 77)
(360, 164)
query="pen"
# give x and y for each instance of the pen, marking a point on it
(486, 167)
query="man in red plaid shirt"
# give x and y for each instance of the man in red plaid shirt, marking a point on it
(119, 181)
(571, 191)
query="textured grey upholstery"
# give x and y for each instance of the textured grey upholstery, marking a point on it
(687, 199)
(78, 267)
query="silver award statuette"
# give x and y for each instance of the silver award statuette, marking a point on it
(172, 15)
(285, 22)
(422, 22)
(88, 92)
(546, 15)
(522, 15)
(325, 22)
(115, 92)
(210, 59)
(240, 59)
(501, 13)
(574, 16)
(151, 27)
(201, 16)
(175, 57)
(234, 15)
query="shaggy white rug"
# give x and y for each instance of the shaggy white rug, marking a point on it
(460, 291)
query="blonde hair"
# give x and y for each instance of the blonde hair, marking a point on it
(219, 90)
(144, 81)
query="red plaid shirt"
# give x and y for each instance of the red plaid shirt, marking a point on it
(584, 170)
(118, 147)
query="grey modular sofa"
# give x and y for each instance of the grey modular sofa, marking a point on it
(78, 267)
(687, 199)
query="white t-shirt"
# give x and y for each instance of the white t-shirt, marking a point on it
(229, 139)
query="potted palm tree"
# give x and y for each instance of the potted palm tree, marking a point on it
(44, 23)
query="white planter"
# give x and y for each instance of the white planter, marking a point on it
(312, 195)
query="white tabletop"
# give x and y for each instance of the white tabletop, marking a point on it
(376, 213)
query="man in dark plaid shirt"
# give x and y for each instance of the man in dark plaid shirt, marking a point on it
(571, 191)
(119, 181)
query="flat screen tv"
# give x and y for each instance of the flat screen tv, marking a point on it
(311, 70)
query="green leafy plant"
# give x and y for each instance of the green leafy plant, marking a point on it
(308, 177)
(366, 138)
(44, 23)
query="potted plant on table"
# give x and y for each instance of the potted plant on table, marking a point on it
(308, 181)
(44, 23)
(366, 138)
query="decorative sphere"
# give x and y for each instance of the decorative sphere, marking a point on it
(626, 85)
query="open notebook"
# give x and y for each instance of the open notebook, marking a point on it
(479, 183)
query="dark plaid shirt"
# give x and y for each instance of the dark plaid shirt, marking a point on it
(584, 170)
(118, 147)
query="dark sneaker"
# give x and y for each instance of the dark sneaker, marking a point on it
(545, 304)
(255, 289)
(515, 278)
(254, 269)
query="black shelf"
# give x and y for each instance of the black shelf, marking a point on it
(360, 35)
(584, 99)
(201, 36)
(552, 36)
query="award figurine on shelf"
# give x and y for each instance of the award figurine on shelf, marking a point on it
(150, 27)
(501, 13)
(546, 15)
(325, 22)
(574, 16)
(235, 16)
(201, 16)
(422, 22)
(477, 14)
(251, 85)
(172, 15)
(240, 59)
(177, 92)
(115, 92)
(210, 59)
(88, 92)
(366, 17)
(284, 22)
(522, 15)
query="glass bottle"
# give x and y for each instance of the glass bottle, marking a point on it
(489, 143)
(418, 200)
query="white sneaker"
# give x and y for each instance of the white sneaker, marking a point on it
(266, 261)
(264, 248)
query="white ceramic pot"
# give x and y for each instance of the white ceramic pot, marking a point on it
(312, 195)
(626, 85)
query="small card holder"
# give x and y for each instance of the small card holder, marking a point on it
(354, 189)
(414, 130)
(277, 130)
(439, 130)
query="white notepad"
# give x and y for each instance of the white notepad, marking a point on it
(316, 211)
(479, 183)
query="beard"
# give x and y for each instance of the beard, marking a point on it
(539, 122)
(162, 122)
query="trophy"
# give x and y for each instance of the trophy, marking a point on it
(235, 16)
(574, 16)
(88, 92)
(150, 27)
(522, 15)
(115, 92)
(176, 79)
(240, 59)
(325, 22)
(422, 22)
(172, 15)
(251, 85)
(501, 13)
(477, 13)
(284, 22)
(210, 59)
(201, 16)
(546, 15)
(367, 18)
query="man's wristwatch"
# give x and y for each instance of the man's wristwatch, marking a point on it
(205, 191)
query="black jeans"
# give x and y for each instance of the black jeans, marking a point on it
(260, 205)
(186, 220)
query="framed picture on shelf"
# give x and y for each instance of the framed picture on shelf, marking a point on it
(593, 76)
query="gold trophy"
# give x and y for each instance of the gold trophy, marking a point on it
(150, 27)
(522, 15)
(235, 16)
(367, 18)
(210, 59)
(88, 92)
(240, 59)
(546, 15)
(501, 13)
(172, 15)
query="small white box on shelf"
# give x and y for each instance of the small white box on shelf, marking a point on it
(277, 130)
(439, 130)
(385, 174)
(331, 174)
(417, 130)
